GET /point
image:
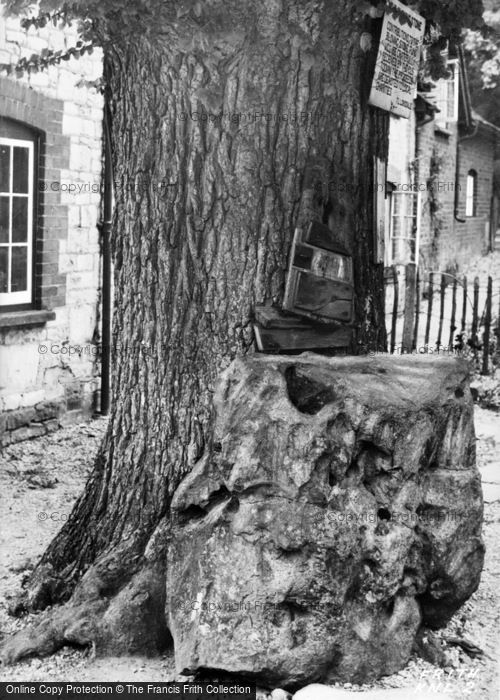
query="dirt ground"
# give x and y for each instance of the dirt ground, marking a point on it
(40, 479)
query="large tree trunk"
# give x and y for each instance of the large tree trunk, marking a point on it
(232, 125)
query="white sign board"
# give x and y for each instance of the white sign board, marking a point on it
(395, 79)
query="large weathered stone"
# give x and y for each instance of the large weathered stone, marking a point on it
(338, 507)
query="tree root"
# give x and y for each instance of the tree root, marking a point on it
(67, 624)
(132, 620)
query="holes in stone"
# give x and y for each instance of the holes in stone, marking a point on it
(234, 504)
(196, 512)
(389, 607)
(381, 370)
(291, 553)
(371, 564)
(332, 479)
(306, 394)
(370, 448)
(222, 494)
(383, 514)
(459, 393)
(193, 512)
(293, 609)
(217, 447)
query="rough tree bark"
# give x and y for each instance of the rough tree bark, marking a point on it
(205, 209)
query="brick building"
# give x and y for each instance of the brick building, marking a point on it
(50, 202)
(440, 205)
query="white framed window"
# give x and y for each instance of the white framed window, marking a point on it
(404, 228)
(446, 95)
(16, 220)
(471, 194)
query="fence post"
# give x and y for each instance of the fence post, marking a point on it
(441, 310)
(475, 318)
(453, 312)
(394, 307)
(487, 324)
(461, 342)
(429, 309)
(409, 311)
(464, 307)
(417, 310)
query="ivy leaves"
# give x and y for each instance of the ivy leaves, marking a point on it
(46, 58)
(452, 16)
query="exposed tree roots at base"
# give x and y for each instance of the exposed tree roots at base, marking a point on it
(129, 621)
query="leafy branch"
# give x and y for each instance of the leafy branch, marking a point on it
(46, 58)
(44, 18)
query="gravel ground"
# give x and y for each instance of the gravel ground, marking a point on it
(39, 481)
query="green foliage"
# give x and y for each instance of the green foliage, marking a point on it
(445, 22)
(449, 17)
(482, 52)
(98, 23)
(38, 62)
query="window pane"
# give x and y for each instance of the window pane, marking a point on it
(19, 279)
(19, 219)
(396, 245)
(4, 219)
(470, 194)
(20, 174)
(403, 251)
(409, 228)
(4, 168)
(4, 268)
(403, 204)
(330, 265)
(414, 206)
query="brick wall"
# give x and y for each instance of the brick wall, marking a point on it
(445, 243)
(49, 370)
(476, 153)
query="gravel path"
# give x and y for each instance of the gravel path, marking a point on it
(40, 479)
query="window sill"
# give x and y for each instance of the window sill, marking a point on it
(19, 319)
